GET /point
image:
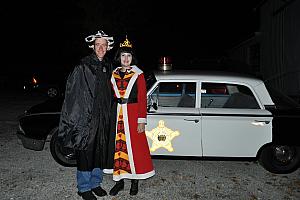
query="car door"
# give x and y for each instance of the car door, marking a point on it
(233, 121)
(174, 127)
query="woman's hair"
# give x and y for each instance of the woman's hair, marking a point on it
(117, 59)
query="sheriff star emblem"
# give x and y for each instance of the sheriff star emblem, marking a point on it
(161, 136)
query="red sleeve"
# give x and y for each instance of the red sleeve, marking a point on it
(142, 98)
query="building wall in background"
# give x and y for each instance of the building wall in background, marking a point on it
(279, 46)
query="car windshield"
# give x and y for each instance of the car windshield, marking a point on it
(150, 79)
(281, 100)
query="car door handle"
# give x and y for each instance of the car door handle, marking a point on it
(195, 120)
(264, 121)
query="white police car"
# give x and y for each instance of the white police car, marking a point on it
(221, 114)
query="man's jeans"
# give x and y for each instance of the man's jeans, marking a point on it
(87, 180)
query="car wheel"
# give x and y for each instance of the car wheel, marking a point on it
(63, 156)
(52, 92)
(280, 159)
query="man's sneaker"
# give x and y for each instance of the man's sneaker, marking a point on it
(88, 195)
(99, 191)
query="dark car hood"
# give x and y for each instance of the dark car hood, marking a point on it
(48, 106)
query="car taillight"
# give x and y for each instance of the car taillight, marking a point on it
(34, 80)
(165, 63)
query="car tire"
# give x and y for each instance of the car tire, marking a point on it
(52, 92)
(63, 156)
(280, 159)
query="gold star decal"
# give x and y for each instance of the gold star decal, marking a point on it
(161, 136)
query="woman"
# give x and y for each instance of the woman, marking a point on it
(132, 158)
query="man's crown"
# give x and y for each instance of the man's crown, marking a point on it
(126, 43)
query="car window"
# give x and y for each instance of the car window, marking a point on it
(150, 79)
(175, 94)
(223, 95)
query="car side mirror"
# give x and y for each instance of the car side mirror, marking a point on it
(154, 106)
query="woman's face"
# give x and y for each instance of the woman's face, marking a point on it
(126, 59)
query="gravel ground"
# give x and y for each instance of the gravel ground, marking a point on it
(34, 175)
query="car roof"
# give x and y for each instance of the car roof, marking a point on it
(218, 76)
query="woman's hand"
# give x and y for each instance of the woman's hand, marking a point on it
(141, 127)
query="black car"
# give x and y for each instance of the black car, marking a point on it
(196, 114)
(49, 82)
(39, 125)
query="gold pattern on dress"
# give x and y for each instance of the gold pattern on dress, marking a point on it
(121, 161)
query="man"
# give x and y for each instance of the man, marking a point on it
(85, 123)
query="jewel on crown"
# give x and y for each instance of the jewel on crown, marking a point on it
(126, 43)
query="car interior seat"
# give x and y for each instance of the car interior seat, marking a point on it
(186, 101)
(241, 100)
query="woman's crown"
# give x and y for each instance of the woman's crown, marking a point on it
(126, 43)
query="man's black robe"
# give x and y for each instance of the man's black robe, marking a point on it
(87, 117)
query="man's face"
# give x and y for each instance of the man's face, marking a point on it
(100, 47)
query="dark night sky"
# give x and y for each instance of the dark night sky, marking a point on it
(52, 32)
